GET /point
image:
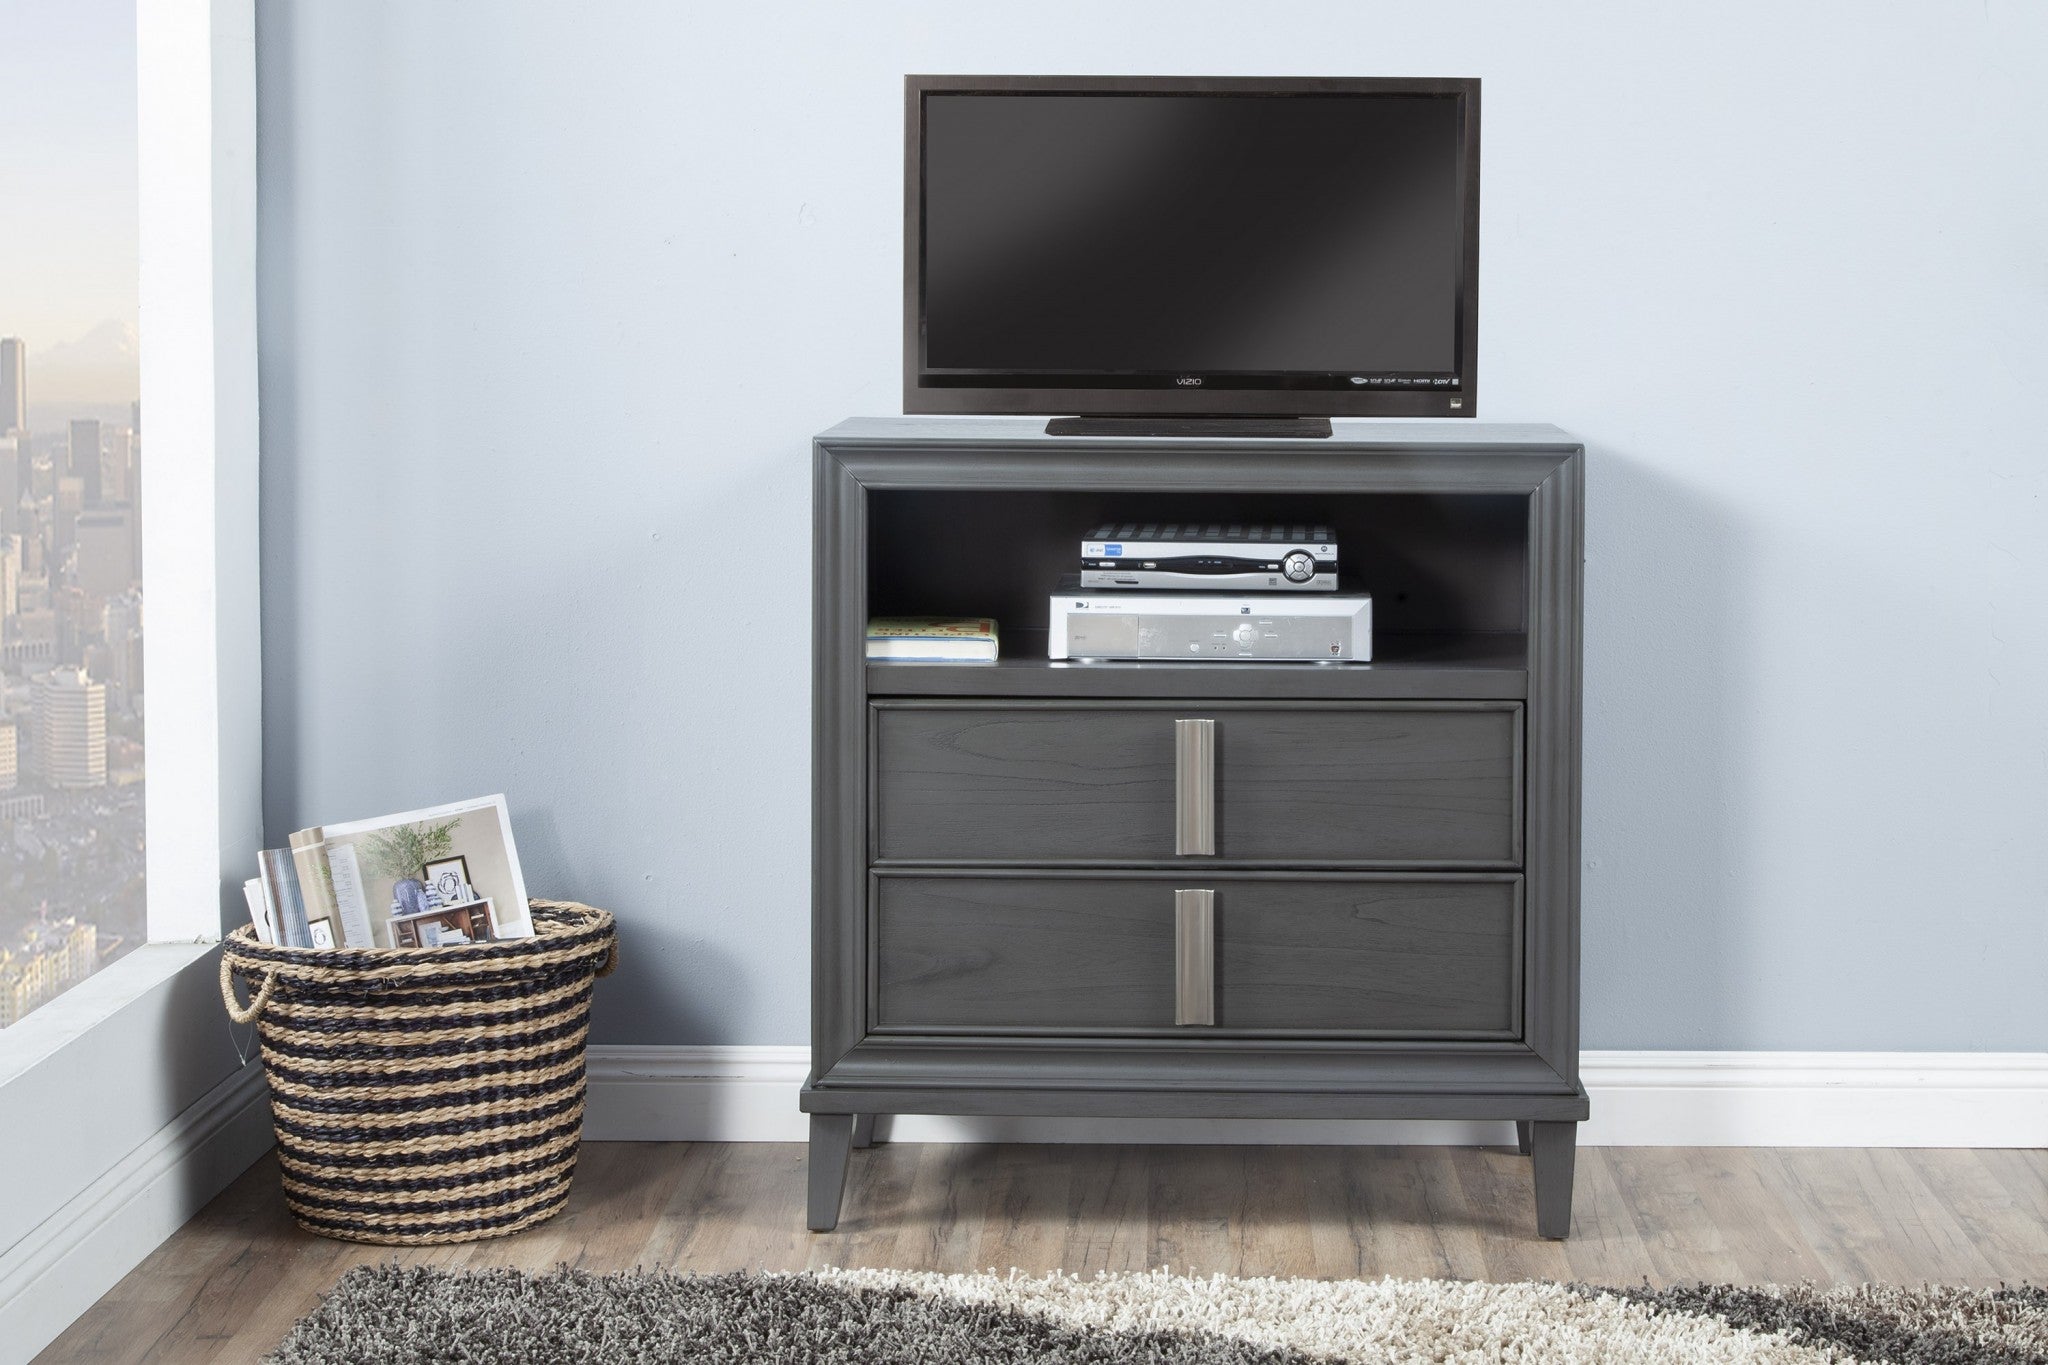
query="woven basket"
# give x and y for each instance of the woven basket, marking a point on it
(426, 1095)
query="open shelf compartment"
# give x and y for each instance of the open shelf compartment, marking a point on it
(1448, 573)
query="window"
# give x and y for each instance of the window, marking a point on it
(72, 851)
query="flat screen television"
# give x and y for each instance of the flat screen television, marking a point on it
(1182, 247)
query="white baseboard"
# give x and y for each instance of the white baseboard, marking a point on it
(68, 1261)
(1648, 1099)
(1817, 1099)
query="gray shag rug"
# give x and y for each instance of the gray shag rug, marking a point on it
(414, 1315)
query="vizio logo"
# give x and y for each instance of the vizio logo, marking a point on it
(1189, 381)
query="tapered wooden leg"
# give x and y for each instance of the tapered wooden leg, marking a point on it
(831, 1141)
(1553, 1147)
(1522, 1136)
(864, 1129)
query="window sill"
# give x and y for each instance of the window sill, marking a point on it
(45, 1031)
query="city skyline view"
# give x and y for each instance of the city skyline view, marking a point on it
(71, 607)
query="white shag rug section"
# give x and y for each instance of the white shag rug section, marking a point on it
(1366, 1320)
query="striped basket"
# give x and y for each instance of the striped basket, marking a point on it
(426, 1095)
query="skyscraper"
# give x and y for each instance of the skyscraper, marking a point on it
(124, 652)
(10, 577)
(31, 540)
(71, 728)
(116, 464)
(106, 551)
(13, 385)
(81, 621)
(66, 503)
(10, 485)
(85, 457)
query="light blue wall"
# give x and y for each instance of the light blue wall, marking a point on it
(555, 294)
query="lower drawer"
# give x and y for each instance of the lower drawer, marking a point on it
(1378, 954)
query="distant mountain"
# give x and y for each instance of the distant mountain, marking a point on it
(100, 367)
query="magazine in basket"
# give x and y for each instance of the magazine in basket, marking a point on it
(428, 878)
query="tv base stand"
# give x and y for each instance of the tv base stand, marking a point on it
(1189, 427)
(1205, 889)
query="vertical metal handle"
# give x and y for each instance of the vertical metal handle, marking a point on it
(1194, 786)
(1194, 957)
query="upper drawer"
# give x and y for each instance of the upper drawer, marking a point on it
(1388, 783)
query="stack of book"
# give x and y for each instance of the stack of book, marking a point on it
(932, 639)
(443, 876)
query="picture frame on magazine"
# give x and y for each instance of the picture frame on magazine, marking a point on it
(449, 879)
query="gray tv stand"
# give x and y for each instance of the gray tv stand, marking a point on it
(1389, 925)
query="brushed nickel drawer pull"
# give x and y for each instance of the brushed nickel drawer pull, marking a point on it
(1194, 957)
(1194, 786)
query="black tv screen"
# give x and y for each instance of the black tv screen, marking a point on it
(1152, 245)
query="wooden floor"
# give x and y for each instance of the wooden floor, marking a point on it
(228, 1285)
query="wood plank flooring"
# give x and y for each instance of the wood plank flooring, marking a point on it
(231, 1282)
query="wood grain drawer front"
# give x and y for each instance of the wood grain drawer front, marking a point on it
(1392, 956)
(1389, 783)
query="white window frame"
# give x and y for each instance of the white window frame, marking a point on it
(202, 641)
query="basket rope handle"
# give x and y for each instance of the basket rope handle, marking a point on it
(256, 1002)
(611, 959)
